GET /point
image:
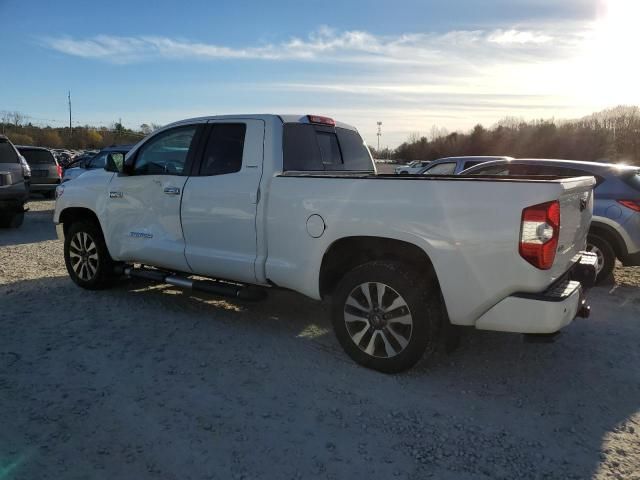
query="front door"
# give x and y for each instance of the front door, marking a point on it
(220, 201)
(143, 207)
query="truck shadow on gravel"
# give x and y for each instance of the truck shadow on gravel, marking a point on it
(496, 407)
(38, 227)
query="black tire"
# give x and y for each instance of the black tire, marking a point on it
(11, 220)
(608, 256)
(99, 272)
(425, 309)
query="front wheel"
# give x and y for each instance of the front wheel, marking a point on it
(386, 316)
(86, 256)
(606, 256)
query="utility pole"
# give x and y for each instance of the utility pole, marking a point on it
(379, 134)
(70, 126)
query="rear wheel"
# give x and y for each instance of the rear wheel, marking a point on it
(86, 256)
(606, 256)
(386, 315)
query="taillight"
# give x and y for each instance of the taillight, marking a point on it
(59, 169)
(632, 204)
(539, 234)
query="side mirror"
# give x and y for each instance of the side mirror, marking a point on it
(115, 163)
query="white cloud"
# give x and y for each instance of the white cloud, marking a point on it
(409, 81)
(324, 45)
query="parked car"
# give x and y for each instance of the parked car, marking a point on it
(411, 168)
(615, 228)
(454, 165)
(46, 173)
(263, 201)
(14, 189)
(98, 161)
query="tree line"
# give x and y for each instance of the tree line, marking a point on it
(21, 132)
(612, 135)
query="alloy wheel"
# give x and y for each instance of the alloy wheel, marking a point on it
(378, 320)
(84, 256)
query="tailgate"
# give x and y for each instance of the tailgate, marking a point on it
(576, 208)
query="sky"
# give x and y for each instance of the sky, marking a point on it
(409, 64)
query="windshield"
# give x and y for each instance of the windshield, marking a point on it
(38, 156)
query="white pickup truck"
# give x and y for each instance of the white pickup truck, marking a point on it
(252, 202)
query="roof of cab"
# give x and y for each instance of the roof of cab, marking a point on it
(284, 118)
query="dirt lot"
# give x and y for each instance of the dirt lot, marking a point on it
(151, 382)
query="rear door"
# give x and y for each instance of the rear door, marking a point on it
(143, 207)
(220, 201)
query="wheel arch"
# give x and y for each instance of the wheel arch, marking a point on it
(609, 234)
(346, 253)
(75, 214)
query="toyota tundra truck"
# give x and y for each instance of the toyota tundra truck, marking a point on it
(237, 205)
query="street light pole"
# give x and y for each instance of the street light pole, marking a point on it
(379, 134)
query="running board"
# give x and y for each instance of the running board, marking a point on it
(241, 292)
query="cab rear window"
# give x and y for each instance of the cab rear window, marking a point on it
(7, 153)
(38, 156)
(321, 148)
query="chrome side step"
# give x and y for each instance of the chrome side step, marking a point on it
(241, 292)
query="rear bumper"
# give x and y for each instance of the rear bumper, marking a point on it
(13, 197)
(545, 312)
(44, 187)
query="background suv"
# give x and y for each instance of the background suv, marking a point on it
(97, 161)
(14, 189)
(412, 167)
(615, 228)
(46, 173)
(454, 165)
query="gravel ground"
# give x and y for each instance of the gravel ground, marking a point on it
(148, 381)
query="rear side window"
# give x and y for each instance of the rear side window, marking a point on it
(442, 169)
(319, 148)
(522, 169)
(224, 150)
(42, 157)
(7, 153)
(470, 164)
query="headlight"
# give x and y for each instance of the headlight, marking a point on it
(59, 191)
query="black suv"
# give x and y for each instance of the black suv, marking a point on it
(14, 186)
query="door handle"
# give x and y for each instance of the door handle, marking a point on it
(172, 190)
